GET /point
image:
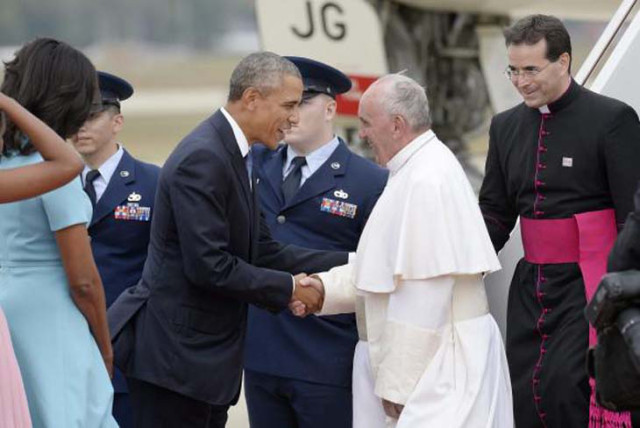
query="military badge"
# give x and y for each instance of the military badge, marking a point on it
(341, 194)
(339, 208)
(132, 211)
(134, 197)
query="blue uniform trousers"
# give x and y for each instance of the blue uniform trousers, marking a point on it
(279, 402)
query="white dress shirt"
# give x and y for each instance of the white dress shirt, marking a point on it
(241, 140)
(315, 159)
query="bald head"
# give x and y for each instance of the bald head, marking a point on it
(393, 111)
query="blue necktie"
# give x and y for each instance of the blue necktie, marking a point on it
(291, 184)
(88, 185)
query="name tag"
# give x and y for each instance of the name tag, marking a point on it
(132, 211)
(567, 162)
(339, 208)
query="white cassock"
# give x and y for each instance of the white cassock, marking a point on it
(427, 340)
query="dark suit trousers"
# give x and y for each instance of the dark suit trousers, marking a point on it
(122, 410)
(157, 407)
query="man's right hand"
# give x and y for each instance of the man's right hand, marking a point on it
(308, 297)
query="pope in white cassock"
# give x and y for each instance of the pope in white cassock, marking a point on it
(430, 354)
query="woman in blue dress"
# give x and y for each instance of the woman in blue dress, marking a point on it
(50, 289)
(60, 166)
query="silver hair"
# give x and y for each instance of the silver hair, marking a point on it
(404, 97)
(261, 70)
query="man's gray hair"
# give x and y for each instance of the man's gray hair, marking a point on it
(264, 71)
(404, 97)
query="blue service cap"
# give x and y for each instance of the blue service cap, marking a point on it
(113, 89)
(321, 78)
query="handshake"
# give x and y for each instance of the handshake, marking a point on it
(308, 296)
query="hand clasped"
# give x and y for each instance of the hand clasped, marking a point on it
(308, 297)
(393, 410)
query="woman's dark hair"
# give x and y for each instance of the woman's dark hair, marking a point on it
(55, 82)
(533, 28)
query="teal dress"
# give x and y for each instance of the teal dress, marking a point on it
(65, 379)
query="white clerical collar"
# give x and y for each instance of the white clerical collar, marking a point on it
(409, 150)
(107, 168)
(243, 144)
(544, 109)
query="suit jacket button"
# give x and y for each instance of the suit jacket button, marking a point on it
(281, 219)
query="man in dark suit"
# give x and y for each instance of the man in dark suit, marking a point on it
(298, 371)
(179, 334)
(122, 190)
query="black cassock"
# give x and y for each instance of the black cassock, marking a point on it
(582, 155)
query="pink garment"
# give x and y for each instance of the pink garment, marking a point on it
(586, 239)
(14, 411)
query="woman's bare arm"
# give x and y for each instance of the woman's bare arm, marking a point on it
(86, 286)
(62, 164)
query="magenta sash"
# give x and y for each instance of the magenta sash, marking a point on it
(585, 239)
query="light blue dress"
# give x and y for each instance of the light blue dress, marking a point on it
(65, 379)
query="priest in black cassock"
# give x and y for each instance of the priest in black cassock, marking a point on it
(567, 162)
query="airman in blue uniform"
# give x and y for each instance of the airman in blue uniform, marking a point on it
(122, 191)
(316, 193)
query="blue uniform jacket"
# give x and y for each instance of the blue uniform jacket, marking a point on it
(120, 229)
(329, 213)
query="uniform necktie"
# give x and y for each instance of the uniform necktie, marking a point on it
(291, 184)
(88, 185)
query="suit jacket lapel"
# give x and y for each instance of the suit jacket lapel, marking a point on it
(117, 190)
(240, 168)
(231, 146)
(324, 178)
(255, 218)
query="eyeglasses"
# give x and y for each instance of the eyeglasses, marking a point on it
(526, 72)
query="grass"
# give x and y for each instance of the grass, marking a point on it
(152, 138)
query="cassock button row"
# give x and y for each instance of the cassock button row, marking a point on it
(281, 219)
